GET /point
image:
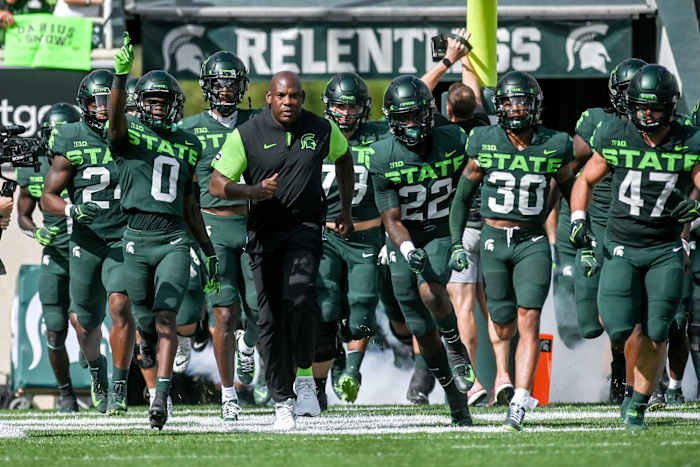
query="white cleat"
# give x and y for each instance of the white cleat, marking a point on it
(284, 416)
(182, 355)
(307, 402)
(230, 410)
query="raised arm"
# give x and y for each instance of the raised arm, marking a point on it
(117, 99)
(455, 51)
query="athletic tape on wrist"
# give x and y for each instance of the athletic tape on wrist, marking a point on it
(406, 247)
(67, 209)
(578, 215)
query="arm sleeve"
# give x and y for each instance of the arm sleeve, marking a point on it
(231, 161)
(459, 210)
(338, 144)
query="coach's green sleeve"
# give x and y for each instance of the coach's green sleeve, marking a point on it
(338, 144)
(460, 208)
(231, 161)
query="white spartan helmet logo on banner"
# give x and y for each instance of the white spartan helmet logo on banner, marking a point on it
(180, 44)
(591, 52)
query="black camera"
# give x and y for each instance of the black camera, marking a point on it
(17, 150)
(439, 44)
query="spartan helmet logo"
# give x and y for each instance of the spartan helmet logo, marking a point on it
(180, 43)
(619, 251)
(130, 248)
(591, 52)
(308, 141)
(490, 244)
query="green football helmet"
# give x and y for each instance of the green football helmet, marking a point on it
(131, 95)
(347, 89)
(619, 81)
(95, 89)
(653, 85)
(224, 81)
(159, 83)
(408, 108)
(58, 114)
(518, 88)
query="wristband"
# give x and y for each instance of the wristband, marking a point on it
(67, 209)
(406, 247)
(446, 61)
(578, 215)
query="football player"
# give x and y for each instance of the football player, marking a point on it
(348, 268)
(54, 237)
(514, 163)
(224, 81)
(157, 161)
(83, 164)
(651, 158)
(413, 174)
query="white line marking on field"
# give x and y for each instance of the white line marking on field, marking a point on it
(7, 431)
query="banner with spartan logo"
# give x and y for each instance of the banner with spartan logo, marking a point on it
(548, 49)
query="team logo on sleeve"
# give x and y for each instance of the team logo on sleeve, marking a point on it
(308, 141)
(130, 248)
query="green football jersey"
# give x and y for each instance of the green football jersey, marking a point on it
(33, 182)
(156, 168)
(647, 182)
(600, 203)
(516, 183)
(421, 186)
(363, 207)
(96, 177)
(212, 134)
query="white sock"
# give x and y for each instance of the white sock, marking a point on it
(674, 383)
(521, 395)
(151, 394)
(228, 394)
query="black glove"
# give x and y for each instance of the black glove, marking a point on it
(580, 236)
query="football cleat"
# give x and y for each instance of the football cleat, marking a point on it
(348, 388)
(245, 361)
(147, 349)
(284, 416)
(503, 391)
(230, 410)
(634, 416)
(459, 410)
(99, 385)
(657, 401)
(169, 405)
(261, 394)
(200, 336)
(117, 398)
(462, 371)
(477, 394)
(421, 385)
(674, 397)
(337, 371)
(307, 403)
(623, 408)
(67, 403)
(158, 413)
(182, 354)
(514, 417)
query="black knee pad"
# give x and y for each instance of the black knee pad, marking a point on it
(326, 347)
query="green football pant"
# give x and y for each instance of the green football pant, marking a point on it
(53, 290)
(517, 271)
(405, 282)
(96, 271)
(640, 285)
(158, 272)
(587, 288)
(191, 307)
(348, 278)
(563, 284)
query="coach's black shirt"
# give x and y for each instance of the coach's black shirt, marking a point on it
(260, 148)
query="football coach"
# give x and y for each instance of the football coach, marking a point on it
(279, 153)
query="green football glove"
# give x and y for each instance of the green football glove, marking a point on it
(686, 211)
(45, 235)
(589, 262)
(458, 258)
(213, 283)
(580, 237)
(125, 57)
(85, 213)
(416, 260)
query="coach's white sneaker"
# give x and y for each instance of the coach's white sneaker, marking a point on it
(307, 402)
(182, 354)
(284, 416)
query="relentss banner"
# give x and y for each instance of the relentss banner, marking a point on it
(382, 51)
(33, 92)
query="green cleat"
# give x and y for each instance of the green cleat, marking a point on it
(623, 408)
(245, 361)
(675, 397)
(348, 387)
(100, 385)
(117, 398)
(464, 377)
(261, 395)
(657, 401)
(67, 403)
(634, 416)
(337, 371)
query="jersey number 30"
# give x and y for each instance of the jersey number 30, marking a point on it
(528, 184)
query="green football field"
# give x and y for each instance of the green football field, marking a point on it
(352, 435)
